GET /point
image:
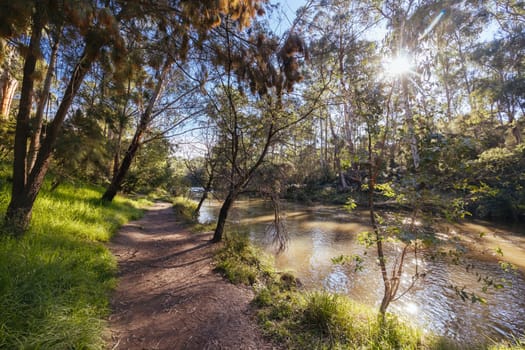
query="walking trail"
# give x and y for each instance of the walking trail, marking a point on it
(168, 297)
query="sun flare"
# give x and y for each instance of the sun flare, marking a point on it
(399, 65)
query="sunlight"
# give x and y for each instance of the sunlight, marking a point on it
(399, 65)
(411, 308)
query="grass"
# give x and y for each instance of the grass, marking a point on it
(55, 280)
(184, 209)
(299, 319)
(241, 262)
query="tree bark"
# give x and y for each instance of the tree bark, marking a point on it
(412, 139)
(27, 186)
(223, 215)
(39, 116)
(120, 175)
(207, 189)
(19, 210)
(145, 120)
(9, 86)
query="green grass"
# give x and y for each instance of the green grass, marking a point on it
(55, 281)
(299, 319)
(241, 262)
(184, 209)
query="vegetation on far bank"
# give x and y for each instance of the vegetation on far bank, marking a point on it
(300, 319)
(55, 280)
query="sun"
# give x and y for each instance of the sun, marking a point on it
(399, 65)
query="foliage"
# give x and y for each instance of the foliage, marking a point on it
(241, 262)
(79, 152)
(184, 209)
(55, 281)
(152, 169)
(497, 187)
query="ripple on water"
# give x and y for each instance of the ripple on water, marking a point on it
(318, 235)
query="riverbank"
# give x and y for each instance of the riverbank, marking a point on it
(319, 233)
(300, 319)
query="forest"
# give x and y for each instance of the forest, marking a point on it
(381, 106)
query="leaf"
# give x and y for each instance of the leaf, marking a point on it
(350, 204)
(499, 251)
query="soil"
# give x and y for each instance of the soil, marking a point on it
(168, 296)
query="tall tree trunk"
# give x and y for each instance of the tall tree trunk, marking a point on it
(27, 186)
(39, 116)
(120, 175)
(18, 212)
(9, 86)
(338, 145)
(410, 123)
(145, 120)
(223, 215)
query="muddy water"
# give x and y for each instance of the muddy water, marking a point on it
(317, 234)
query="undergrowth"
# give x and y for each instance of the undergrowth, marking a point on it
(184, 208)
(55, 280)
(299, 319)
(241, 262)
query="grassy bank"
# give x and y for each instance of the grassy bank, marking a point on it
(301, 319)
(184, 209)
(55, 281)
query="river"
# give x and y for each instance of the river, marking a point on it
(319, 233)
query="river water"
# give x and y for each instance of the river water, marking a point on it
(319, 233)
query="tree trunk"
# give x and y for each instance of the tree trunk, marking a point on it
(201, 202)
(18, 213)
(145, 120)
(27, 186)
(39, 116)
(410, 124)
(8, 91)
(120, 175)
(223, 215)
(207, 189)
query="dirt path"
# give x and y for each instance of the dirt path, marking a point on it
(169, 298)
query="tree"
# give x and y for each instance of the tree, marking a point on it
(97, 26)
(250, 125)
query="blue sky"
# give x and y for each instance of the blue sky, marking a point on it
(291, 5)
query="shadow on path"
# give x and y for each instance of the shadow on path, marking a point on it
(168, 296)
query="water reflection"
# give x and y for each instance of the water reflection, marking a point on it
(321, 233)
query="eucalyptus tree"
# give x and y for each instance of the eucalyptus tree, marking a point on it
(92, 28)
(250, 103)
(97, 28)
(9, 65)
(339, 51)
(503, 84)
(167, 93)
